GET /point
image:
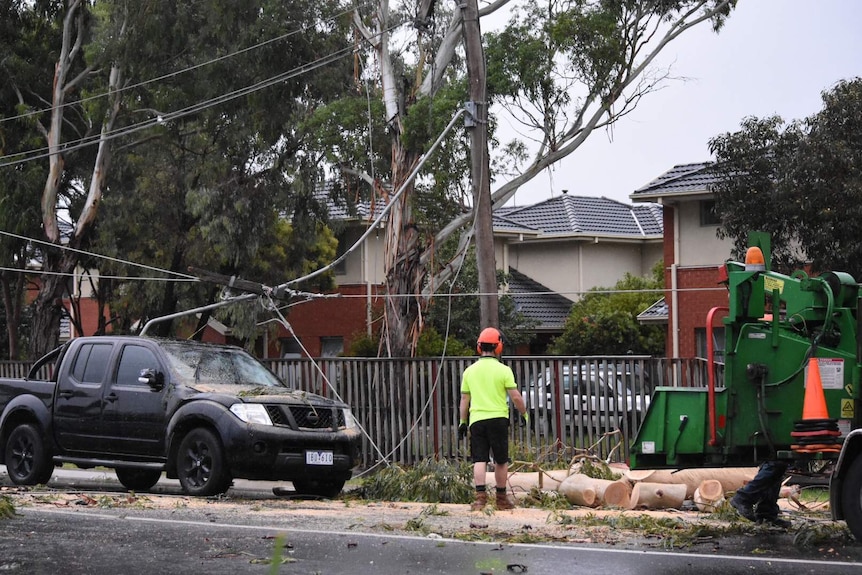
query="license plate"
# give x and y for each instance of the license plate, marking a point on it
(318, 457)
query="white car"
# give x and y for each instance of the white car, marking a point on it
(600, 402)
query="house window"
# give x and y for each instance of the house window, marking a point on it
(708, 215)
(340, 268)
(331, 346)
(717, 342)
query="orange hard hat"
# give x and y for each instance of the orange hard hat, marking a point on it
(493, 336)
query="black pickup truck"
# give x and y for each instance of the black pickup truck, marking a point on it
(201, 413)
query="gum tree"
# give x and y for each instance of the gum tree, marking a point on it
(564, 68)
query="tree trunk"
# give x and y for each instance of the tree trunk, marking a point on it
(480, 169)
(13, 295)
(48, 305)
(404, 273)
(731, 478)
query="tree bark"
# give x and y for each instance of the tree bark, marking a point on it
(480, 168)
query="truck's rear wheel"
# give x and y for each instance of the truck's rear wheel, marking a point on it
(137, 479)
(27, 461)
(851, 497)
(328, 488)
(201, 466)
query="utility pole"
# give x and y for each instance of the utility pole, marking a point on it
(480, 165)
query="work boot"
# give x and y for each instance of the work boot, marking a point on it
(480, 502)
(775, 522)
(744, 509)
(503, 502)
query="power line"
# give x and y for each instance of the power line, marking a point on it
(185, 70)
(44, 152)
(95, 255)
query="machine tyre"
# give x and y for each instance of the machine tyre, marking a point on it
(27, 460)
(851, 497)
(201, 466)
(137, 479)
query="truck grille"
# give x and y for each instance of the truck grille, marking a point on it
(307, 417)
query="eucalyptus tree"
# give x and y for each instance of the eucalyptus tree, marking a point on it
(212, 188)
(27, 34)
(188, 112)
(564, 68)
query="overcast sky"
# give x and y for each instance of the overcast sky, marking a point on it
(771, 57)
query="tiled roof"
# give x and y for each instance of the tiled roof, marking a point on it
(538, 302)
(339, 208)
(574, 215)
(656, 313)
(680, 180)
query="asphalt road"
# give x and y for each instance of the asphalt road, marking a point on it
(131, 541)
(69, 542)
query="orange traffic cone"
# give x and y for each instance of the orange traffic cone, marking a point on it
(814, 404)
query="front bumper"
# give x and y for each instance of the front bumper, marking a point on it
(278, 453)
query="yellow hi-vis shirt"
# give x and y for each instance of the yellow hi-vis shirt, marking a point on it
(488, 381)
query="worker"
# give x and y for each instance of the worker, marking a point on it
(485, 386)
(757, 500)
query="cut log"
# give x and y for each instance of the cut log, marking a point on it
(731, 478)
(523, 482)
(587, 491)
(657, 495)
(617, 494)
(709, 495)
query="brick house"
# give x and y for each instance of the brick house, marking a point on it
(692, 255)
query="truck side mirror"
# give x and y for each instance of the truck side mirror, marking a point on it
(154, 379)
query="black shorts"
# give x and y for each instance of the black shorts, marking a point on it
(490, 436)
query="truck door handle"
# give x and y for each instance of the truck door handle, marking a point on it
(112, 398)
(66, 394)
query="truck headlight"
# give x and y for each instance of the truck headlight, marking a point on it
(349, 420)
(251, 413)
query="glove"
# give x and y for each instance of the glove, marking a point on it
(525, 419)
(462, 430)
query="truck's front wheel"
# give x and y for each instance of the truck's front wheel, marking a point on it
(27, 461)
(201, 466)
(851, 496)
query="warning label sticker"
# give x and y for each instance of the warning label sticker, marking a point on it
(770, 284)
(847, 409)
(831, 372)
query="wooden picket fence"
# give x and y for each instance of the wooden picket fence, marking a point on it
(408, 408)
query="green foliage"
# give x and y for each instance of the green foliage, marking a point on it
(604, 321)
(209, 187)
(429, 481)
(805, 180)
(598, 470)
(432, 344)
(7, 510)
(752, 163)
(812, 535)
(363, 345)
(552, 500)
